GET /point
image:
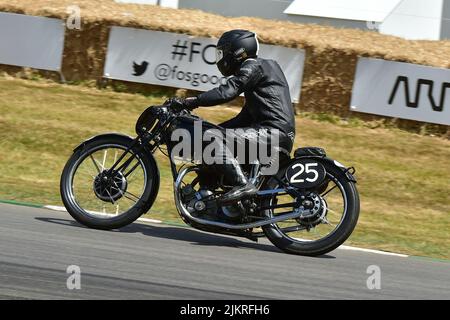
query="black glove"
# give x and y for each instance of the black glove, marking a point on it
(179, 104)
(191, 103)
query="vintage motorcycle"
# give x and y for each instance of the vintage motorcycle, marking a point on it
(310, 207)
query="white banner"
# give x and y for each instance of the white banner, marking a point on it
(29, 41)
(182, 61)
(402, 90)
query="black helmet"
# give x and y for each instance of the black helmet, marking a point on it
(233, 48)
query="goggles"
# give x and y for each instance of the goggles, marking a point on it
(219, 55)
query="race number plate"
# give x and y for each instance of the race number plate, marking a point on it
(305, 174)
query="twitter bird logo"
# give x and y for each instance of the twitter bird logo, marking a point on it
(139, 69)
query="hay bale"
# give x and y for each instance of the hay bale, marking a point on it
(198, 23)
(331, 52)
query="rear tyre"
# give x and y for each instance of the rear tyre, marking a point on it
(338, 236)
(97, 206)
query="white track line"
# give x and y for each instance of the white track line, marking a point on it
(373, 251)
(62, 209)
(348, 248)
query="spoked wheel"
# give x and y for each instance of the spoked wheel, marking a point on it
(108, 199)
(332, 214)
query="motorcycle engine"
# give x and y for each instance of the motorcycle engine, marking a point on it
(234, 211)
(197, 204)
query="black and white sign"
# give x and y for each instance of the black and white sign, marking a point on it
(402, 90)
(29, 41)
(305, 174)
(182, 61)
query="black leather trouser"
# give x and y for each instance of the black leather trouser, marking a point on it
(247, 141)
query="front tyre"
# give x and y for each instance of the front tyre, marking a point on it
(105, 201)
(333, 224)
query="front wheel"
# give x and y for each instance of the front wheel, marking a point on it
(100, 199)
(332, 220)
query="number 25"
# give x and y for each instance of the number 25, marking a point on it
(295, 178)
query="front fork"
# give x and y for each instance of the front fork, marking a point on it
(140, 144)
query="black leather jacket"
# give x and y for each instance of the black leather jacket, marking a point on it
(268, 101)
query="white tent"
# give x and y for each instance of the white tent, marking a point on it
(416, 19)
(410, 19)
(163, 3)
(365, 10)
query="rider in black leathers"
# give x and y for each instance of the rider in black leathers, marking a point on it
(267, 100)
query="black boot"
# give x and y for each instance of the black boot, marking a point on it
(238, 193)
(243, 188)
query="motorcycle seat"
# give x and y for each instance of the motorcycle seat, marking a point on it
(310, 151)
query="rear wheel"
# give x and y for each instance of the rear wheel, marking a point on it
(332, 218)
(102, 200)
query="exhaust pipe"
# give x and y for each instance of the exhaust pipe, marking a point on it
(186, 215)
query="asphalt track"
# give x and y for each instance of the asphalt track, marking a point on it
(145, 261)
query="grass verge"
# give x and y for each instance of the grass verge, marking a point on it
(403, 177)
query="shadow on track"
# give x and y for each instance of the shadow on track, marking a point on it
(180, 234)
